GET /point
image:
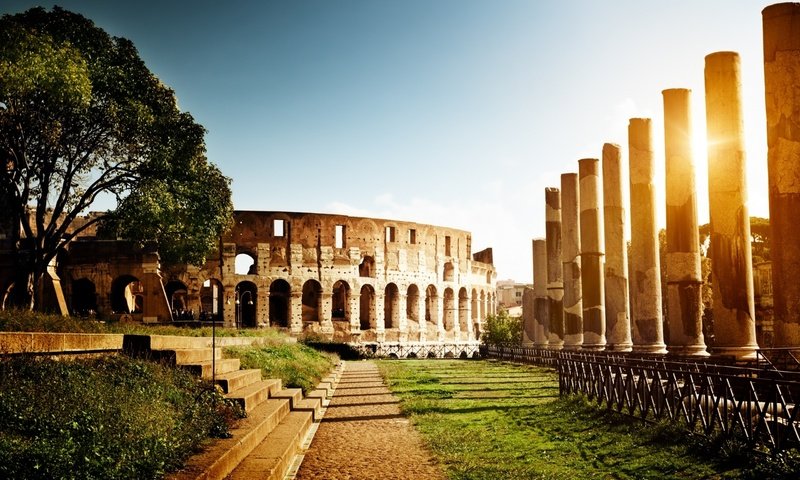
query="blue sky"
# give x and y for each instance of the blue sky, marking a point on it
(450, 112)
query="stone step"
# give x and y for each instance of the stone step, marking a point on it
(232, 381)
(220, 458)
(294, 395)
(272, 457)
(183, 356)
(250, 396)
(222, 366)
(309, 404)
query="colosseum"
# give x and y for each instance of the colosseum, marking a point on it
(390, 287)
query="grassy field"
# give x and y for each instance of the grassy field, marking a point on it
(297, 365)
(493, 420)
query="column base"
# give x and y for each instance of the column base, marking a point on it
(688, 351)
(619, 348)
(573, 341)
(740, 353)
(597, 347)
(656, 348)
(555, 346)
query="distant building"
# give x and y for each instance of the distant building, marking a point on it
(509, 295)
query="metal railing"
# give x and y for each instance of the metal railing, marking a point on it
(753, 401)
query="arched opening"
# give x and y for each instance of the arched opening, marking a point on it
(245, 264)
(431, 354)
(463, 355)
(431, 305)
(367, 267)
(126, 295)
(463, 310)
(340, 301)
(449, 272)
(449, 310)
(391, 306)
(411, 355)
(279, 301)
(312, 296)
(449, 354)
(412, 304)
(211, 300)
(84, 298)
(177, 295)
(393, 356)
(246, 302)
(367, 303)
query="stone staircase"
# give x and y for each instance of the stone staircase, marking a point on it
(278, 422)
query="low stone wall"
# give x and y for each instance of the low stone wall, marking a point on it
(59, 343)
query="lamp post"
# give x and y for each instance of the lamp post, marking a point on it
(239, 297)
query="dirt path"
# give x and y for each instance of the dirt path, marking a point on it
(364, 436)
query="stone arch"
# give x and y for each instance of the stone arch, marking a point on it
(367, 267)
(463, 309)
(246, 304)
(367, 310)
(340, 301)
(245, 264)
(126, 295)
(177, 294)
(463, 355)
(279, 303)
(412, 304)
(431, 305)
(449, 309)
(449, 274)
(391, 306)
(312, 301)
(84, 297)
(211, 300)
(411, 355)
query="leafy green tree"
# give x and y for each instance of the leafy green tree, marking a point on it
(502, 328)
(81, 117)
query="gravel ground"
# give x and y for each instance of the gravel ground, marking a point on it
(364, 436)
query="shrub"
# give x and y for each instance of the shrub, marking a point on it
(502, 328)
(297, 365)
(110, 417)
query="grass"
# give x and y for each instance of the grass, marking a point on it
(297, 365)
(110, 417)
(14, 320)
(491, 420)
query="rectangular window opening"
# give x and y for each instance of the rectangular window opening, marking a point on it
(339, 242)
(412, 236)
(390, 234)
(447, 245)
(278, 228)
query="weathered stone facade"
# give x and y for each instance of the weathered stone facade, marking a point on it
(353, 279)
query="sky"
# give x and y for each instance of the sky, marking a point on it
(447, 112)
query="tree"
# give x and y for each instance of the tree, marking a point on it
(502, 328)
(82, 117)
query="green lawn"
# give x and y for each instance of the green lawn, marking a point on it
(494, 420)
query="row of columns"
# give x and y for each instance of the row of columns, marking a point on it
(595, 299)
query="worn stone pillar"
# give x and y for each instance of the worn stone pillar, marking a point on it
(540, 293)
(618, 323)
(592, 253)
(645, 270)
(684, 281)
(555, 279)
(781, 23)
(296, 312)
(731, 256)
(571, 261)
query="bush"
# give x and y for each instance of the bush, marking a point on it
(342, 350)
(110, 417)
(502, 328)
(297, 365)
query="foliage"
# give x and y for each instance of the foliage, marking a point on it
(344, 351)
(111, 417)
(502, 328)
(297, 365)
(81, 117)
(493, 420)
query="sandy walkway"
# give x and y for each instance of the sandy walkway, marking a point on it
(364, 436)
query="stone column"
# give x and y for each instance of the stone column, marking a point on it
(592, 253)
(781, 67)
(684, 281)
(618, 323)
(645, 269)
(555, 279)
(731, 256)
(571, 262)
(296, 312)
(540, 293)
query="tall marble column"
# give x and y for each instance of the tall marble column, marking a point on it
(571, 262)
(781, 25)
(731, 256)
(618, 323)
(540, 293)
(684, 280)
(555, 279)
(592, 253)
(645, 268)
